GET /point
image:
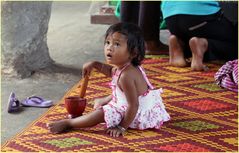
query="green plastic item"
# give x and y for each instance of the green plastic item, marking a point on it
(163, 25)
(117, 10)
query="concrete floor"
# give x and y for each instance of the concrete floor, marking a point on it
(72, 41)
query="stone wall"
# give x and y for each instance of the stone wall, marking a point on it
(24, 37)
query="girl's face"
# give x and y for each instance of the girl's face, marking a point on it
(116, 51)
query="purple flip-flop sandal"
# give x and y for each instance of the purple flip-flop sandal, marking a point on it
(13, 103)
(35, 101)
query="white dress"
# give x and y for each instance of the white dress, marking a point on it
(151, 112)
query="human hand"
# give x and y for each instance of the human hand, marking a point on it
(87, 68)
(98, 103)
(114, 132)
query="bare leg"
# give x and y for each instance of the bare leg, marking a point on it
(176, 55)
(88, 120)
(198, 47)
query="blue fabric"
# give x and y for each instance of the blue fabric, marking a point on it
(170, 8)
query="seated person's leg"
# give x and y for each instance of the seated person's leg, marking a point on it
(129, 11)
(212, 41)
(149, 20)
(198, 47)
(91, 119)
(176, 54)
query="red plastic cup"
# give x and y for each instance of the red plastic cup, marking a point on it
(75, 105)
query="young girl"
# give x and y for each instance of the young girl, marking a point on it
(133, 103)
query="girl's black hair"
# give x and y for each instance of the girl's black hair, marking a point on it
(135, 42)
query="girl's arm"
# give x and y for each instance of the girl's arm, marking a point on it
(127, 84)
(101, 67)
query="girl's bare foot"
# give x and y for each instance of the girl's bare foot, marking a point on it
(176, 56)
(198, 47)
(59, 126)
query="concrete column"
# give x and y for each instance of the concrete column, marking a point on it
(24, 37)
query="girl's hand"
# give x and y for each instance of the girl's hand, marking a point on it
(114, 132)
(98, 103)
(87, 68)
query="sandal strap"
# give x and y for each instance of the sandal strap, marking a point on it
(35, 101)
(17, 102)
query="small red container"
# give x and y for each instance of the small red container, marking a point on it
(75, 105)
